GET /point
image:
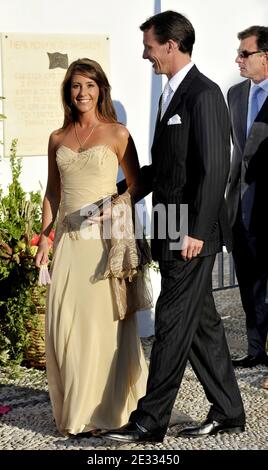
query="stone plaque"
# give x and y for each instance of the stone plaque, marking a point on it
(33, 67)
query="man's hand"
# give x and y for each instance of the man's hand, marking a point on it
(191, 247)
(104, 214)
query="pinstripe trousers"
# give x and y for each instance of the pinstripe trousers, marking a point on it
(188, 327)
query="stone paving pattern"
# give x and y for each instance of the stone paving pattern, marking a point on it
(29, 425)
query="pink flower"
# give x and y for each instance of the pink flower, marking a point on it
(4, 409)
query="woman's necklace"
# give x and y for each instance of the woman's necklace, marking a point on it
(82, 144)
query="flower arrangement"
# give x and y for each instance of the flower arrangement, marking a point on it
(20, 221)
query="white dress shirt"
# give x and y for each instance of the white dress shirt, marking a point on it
(175, 81)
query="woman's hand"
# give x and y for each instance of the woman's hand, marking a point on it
(42, 253)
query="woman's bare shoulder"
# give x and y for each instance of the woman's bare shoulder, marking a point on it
(56, 137)
(119, 131)
(57, 134)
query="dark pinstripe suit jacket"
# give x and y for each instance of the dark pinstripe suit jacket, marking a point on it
(190, 164)
(249, 160)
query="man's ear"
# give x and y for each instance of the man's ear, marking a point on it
(172, 45)
(265, 60)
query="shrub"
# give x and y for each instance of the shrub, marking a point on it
(20, 220)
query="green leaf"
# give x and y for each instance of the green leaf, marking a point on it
(20, 216)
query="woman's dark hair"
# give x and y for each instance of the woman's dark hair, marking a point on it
(87, 68)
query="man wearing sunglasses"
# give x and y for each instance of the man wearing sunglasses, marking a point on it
(247, 191)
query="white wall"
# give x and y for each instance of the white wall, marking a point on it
(216, 23)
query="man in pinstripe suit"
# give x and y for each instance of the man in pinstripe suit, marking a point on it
(190, 164)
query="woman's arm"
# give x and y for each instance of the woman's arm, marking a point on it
(128, 159)
(51, 201)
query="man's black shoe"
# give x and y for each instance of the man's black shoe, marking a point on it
(82, 435)
(250, 361)
(210, 428)
(86, 435)
(133, 432)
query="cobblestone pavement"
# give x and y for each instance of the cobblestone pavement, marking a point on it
(29, 424)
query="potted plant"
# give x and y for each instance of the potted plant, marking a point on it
(20, 297)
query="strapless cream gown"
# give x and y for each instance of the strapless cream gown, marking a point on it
(96, 369)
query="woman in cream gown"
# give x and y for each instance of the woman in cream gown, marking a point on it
(96, 369)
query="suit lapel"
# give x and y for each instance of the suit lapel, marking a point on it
(158, 117)
(239, 109)
(241, 119)
(175, 101)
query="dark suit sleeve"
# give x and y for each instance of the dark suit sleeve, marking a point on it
(146, 183)
(211, 150)
(121, 186)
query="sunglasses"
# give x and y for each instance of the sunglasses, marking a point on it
(246, 54)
